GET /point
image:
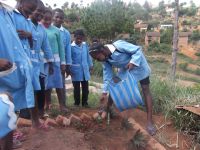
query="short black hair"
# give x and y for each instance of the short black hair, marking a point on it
(59, 11)
(96, 48)
(40, 4)
(79, 32)
(48, 10)
(25, 1)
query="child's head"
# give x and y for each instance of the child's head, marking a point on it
(58, 17)
(47, 17)
(27, 7)
(37, 15)
(79, 36)
(99, 52)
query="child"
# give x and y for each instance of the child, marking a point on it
(81, 67)
(58, 20)
(23, 26)
(55, 80)
(41, 49)
(24, 29)
(125, 56)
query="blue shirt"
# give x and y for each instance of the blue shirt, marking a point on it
(18, 83)
(22, 23)
(126, 53)
(65, 35)
(81, 62)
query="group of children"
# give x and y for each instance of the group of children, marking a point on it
(36, 54)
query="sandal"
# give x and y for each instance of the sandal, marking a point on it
(151, 130)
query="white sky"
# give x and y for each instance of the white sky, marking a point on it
(59, 3)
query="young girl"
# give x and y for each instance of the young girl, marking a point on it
(55, 80)
(41, 49)
(81, 67)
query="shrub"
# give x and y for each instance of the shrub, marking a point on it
(183, 66)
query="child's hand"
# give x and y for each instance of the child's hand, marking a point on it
(5, 64)
(24, 34)
(51, 68)
(63, 68)
(130, 66)
(91, 69)
(68, 70)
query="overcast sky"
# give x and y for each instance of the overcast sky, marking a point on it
(59, 3)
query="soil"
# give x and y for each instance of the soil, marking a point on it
(100, 136)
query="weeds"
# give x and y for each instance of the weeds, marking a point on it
(125, 124)
(138, 141)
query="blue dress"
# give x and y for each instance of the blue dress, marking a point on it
(22, 23)
(65, 35)
(18, 83)
(40, 53)
(127, 53)
(81, 62)
(8, 117)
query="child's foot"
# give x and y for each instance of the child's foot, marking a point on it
(151, 129)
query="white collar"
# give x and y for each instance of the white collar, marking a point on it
(62, 28)
(111, 47)
(74, 44)
(8, 4)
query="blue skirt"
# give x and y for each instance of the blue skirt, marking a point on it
(54, 80)
(7, 116)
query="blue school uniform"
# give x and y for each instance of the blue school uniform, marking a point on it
(81, 62)
(22, 23)
(19, 82)
(65, 35)
(8, 117)
(126, 53)
(40, 53)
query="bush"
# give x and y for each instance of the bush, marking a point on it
(197, 54)
(197, 71)
(98, 69)
(164, 48)
(183, 66)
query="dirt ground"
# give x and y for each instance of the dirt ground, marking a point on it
(100, 136)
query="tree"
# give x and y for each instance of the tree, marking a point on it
(175, 41)
(147, 6)
(106, 18)
(166, 36)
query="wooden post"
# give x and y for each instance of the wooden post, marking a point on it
(175, 41)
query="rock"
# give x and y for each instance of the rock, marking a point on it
(51, 122)
(74, 119)
(21, 122)
(95, 116)
(103, 115)
(59, 120)
(85, 117)
(66, 122)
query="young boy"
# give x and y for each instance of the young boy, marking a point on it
(58, 20)
(55, 80)
(41, 50)
(125, 56)
(80, 68)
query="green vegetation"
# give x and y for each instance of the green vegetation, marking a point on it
(162, 47)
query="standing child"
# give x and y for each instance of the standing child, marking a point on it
(81, 67)
(41, 49)
(55, 80)
(24, 29)
(58, 20)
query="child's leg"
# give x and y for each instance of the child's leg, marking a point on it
(47, 99)
(41, 96)
(61, 99)
(148, 100)
(35, 114)
(64, 90)
(76, 85)
(7, 142)
(85, 92)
